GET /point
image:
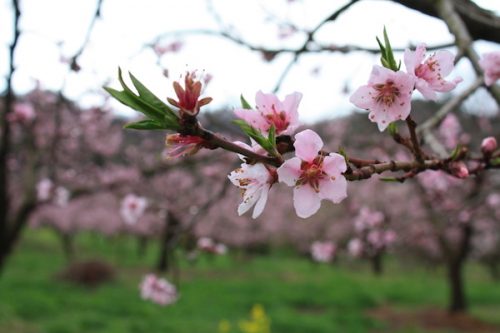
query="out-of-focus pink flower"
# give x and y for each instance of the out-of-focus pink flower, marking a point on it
(271, 111)
(490, 63)
(489, 145)
(493, 200)
(314, 177)
(208, 245)
(178, 145)
(323, 251)
(61, 197)
(368, 219)
(158, 290)
(430, 73)
(189, 97)
(161, 49)
(449, 131)
(355, 247)
(23, 113)
(390, 237)
(44, 189)
(387, 96)
(132, 208)
(255, 181)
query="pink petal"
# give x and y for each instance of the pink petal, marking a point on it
(414, 58)
(334, 164)
(445, 60)
(289, 172)
(362, 97)
(261, 203)
(253, 118)
(307, 145)
(306, 201)
(425, 89)
(334, 190)
(266, 101)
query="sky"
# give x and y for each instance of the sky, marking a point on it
(54, 29)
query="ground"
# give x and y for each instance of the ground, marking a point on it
(297, 295)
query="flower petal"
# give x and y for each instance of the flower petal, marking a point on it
(333, 190)
(307, 145)
(261, 203)
(334, 164)
(306, 201)
(289, 172)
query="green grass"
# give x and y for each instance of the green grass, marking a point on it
(298, 296)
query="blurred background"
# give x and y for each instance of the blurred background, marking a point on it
(87, 209)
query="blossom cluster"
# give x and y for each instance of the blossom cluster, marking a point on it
(158, 290)
(323, 251)
(388, 93)
(208, 245)
(314, 175)
(371, 234)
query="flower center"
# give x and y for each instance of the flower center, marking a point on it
(278, 119)
(312, 173)
(386, 92)
(428, 69)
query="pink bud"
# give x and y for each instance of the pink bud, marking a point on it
(459, 170)
(489, 145)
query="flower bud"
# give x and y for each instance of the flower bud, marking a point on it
(489, 145)
(459, 170)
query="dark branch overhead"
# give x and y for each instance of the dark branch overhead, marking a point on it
(481, 23)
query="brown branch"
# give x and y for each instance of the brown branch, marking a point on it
(481, 23)
(447, 10)
(5, 143)
(417, 151)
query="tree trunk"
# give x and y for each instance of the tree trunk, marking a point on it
(165, 261)
(377, 267)
(142, 246)
(457, 300)
(68, 246)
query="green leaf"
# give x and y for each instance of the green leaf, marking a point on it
(150, 98)
(456, 152)
(146, 124)
(495, 161)
(272, 136)
(389, 53)
(256, 135)
(393, 128)
(244, 103)
(146, 103)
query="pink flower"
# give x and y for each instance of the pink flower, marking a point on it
(158, 290)
(368, 219)
(62, 196)
(255, 181)
(450, 130)
(323, 251)
(208, 245)
(387, 96)
(132, 208)
(44, 189)
(490, 63)
(189, 97)
(178, 145)
(314, 177)
(355, 247)
(23, 113)
(489, 145)
(271, 111)
(390, 237)
(430, 73)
